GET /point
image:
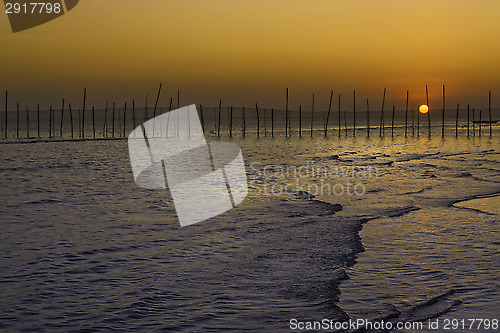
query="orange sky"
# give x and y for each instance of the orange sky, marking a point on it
(250, 51)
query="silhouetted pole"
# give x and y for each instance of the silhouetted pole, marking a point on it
(80, 124)
(113, 121)
(418, 123)
(27, 122)
(354, 116)
(53, 122)
(473, 122)
(265, 123)
(300, 120)
(62, 118)
(218, 127)
(429, 110)
(367, 118)
(480, 120)
(312, 116)
(18, 112)
(145, 109)
(243, 124)
(381, 128)
(70, 119)
(178, 98)
(133, 114)
(468, 121)
(392, 124)
(231, 123)
(345, 122)
(272, 123)
(406, 114)
(83, 112)
(412, 124)
(201, 116)
(328, 114)
(442, 122)
(258, 120)
(105, 124)
(456, 121)
(286, 114)
(93, 122)
(38, 120)
(157, 98)
(489, 109)
(6, 106)
(50, 122)
(340, 129)
(125, 119)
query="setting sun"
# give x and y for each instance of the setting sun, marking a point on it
(423, 108)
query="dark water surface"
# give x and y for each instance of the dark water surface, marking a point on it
(83, 248)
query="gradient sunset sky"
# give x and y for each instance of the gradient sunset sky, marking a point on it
(249, 51)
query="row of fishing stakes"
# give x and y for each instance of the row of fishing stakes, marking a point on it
(120, 129)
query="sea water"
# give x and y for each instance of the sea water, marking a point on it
(82, 247)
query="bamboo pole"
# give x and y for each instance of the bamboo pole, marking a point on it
(442, 122)
(489, 110)
(265, 123)
(113, 121)
(300, 120)
(258, 120)
(412, 124)
(53, 122)
(70, 118)
(243, 127)
(133, 114)
(429, 110)
(392, 124)
(456, 121)
(328, 114)
(312, 116)
(381, 127)
(406, 114)
(468, 121)
(27, 122)
(418, 123)
(62, 118)
(6, 107)
(93, 122)
(220, 110)
(480, 120)
(201, 116)
(340, 129)
(286, 114)
(125, 120)
(79, 123)
(272, 123)
(18, 113)
(473, 122)
(50, 122)
(119, 125)
(145, 109)
(354, 116)
(38, 119)
(345, 122)
(157, 98)
(231, 123)
(105, 124)
(83, 112)
(367, 118)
